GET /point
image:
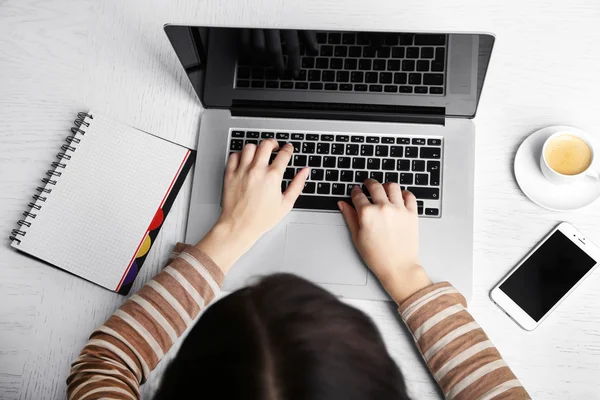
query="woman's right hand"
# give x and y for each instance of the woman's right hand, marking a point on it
(386, 234)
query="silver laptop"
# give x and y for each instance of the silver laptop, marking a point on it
(393, 106)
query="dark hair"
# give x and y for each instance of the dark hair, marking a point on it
(283, 338)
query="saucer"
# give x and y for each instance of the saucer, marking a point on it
(534, 185)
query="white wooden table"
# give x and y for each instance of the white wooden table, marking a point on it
(59, 57)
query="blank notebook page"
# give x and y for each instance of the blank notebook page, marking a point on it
(99, 211)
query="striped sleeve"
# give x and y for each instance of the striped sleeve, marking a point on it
(459, 354)
(122, 352)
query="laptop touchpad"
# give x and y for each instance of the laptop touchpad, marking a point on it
(323, 254)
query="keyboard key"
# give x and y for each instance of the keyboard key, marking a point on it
(406, 89)
(366, 150)
(379, 65)
(317, 174)
(432, 211)
(388, 164)
(334, 38)
(322, 63)
(412, 152)
(242, 83)
(391, 177)
(267, 135)
(406, 39)
(364, 65)
(258, 73)
(349, 190)
(355, 51)
(401, 140)
(326, 51)
(385, 77)
(426, 52)
(371, 77)
(357, 139)
(346, 176)
(342, 76)
(423, 65)
(309, 187)
(421, 179)
(300, 161)
(312, 137)
(360, 88)
(296, 147)
(343, 162)
(400, 78)
(323, 188)
(331, 86)
(433, 167)
(308, 62)
(396, 151)
(378, 176)
(342, 138)
(403, 165)
(340, 51)
(360, 176)
(369, 52)
(372, 139)
(329, 162)
(421, 89)
(287, 85)
(420, 210)
(253, 135)
(351, 149)
(283, 186)
(440, 54)
(346, 87)
(289, 173)
(236, 145)
(406, 178)
(281, 143)
(431, 152)
(308, 148)
(350, 64)
(301, 85)
(414, 79)
(373, 163)
(237, 134)
(357, 76)
(408, 65)
(412, 52)
(314, 161)
(436, 90)
(328, 76)
(252, 142)
(434, 142)
(336, 63)
(393, 65)
(425, 193)
(433, 79)
(418, 141)
(390, 89)
(338, 189)
(384, 52)
(437, 66)
(387, 139)
(418, 165)
(243, 72)
(314, 75)
(332, 175)
(337, 148)
(381, 151)
(358, 163)
(430, 40)
(322, 148)
(282, 135)
(398, 52)
(321, 37)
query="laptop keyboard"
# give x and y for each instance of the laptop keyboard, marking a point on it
(350, 62)
(339, 161)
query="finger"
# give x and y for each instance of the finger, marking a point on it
(310, 37)
(359, 199)
(351, 217)
(410, 201)
(232, 163)
(258, 41)
(247, 156)
(292, 44)
(273, 41)
(394, 193)
(264, 151)
(245, 40)
(295, 187)
(283, 158)
(377, 192)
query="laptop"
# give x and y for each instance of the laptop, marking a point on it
(393, 106)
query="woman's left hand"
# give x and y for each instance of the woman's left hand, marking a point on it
(252, 201)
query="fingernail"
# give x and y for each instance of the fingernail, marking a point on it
(340, 205)
(356, 187)
(307, 173)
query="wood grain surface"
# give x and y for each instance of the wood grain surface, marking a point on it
(59, 57)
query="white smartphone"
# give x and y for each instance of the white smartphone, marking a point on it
(546, 276)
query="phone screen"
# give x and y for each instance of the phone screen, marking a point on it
(547, 275)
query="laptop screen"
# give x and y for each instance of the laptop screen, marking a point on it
(431, 73)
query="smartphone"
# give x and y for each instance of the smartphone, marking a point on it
(546, 276)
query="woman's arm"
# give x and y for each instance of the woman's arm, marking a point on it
(121, 353)
(458, 353)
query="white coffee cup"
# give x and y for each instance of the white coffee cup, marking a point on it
(558, 178)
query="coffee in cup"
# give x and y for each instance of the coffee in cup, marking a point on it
(568, 156)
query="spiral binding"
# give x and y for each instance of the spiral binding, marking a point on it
(72, 141)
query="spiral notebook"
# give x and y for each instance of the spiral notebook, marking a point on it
(103, 202)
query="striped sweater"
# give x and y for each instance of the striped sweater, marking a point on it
(120, 354)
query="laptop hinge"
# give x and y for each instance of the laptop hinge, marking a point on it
(339, 111)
